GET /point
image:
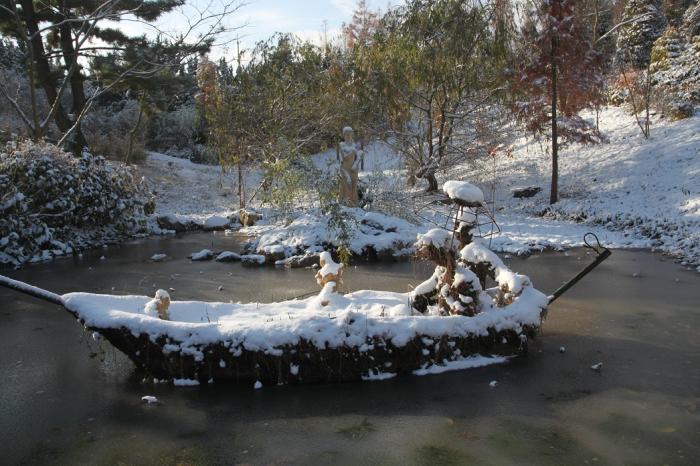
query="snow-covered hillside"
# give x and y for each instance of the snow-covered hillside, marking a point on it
(630, 191)
(647, 191)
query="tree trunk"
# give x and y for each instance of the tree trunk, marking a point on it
(554, 191)
(132, 135)
(241, 187)
(76, 79)
(432, 182)
(43, 70)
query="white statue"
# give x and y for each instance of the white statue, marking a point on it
(350, 157)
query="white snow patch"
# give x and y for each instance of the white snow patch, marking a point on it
(379, 376)
(463, 191)
(459, 364)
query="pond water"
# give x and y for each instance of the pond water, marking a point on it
(66, 399)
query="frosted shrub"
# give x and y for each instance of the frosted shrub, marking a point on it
(108, 130)
(53, 203)
(175, 130)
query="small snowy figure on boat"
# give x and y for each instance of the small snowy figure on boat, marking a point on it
(158, 306)
(329, 276)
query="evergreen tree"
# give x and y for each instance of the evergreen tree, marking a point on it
(643, 23)
(72, 32)
(362, 27)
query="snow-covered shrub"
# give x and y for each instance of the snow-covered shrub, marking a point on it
(55, 203)
(107, 130)
(174, 131)
(691, 20)
(675, 71)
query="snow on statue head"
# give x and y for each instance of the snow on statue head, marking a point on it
(348, 134)
(158, 306)
(329, 276)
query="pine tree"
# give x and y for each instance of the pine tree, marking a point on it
(561, 77)
(644, 24)
(73, 32)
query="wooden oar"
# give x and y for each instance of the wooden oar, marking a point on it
(31, 290)
(602, 252)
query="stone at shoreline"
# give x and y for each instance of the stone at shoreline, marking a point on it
(182, 223)
(526, 192)
(273, 253)
(203, 255)
(248, 217)
(172, 222)
(216, 222)
(302, 260)
(228, 256)
(252, 259)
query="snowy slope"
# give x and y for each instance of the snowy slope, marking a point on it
(644, 193)
(189, 189)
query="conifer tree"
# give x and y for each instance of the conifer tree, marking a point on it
(643, 23)
(72, 32)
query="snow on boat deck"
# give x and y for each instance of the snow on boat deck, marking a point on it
(349, 320)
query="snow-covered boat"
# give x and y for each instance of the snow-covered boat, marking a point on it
(360, 335)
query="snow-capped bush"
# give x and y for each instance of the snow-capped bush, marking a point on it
(55, 203)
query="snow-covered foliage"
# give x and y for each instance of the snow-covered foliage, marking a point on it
(174, 131)
(370, 234)
(675, 68)
(645, 24)
(53, 203)
(107, 129)
(691, 20)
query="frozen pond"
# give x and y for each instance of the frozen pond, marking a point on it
(65, 399)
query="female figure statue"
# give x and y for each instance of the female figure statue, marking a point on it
(349, 161)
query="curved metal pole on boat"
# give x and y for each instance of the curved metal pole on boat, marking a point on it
(602, 254)
(30, 290)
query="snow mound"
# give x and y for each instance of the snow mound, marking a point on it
(370, 233)
(463, 191)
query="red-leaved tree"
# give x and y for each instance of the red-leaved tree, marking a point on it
(559, 76)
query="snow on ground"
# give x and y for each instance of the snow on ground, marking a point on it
(189, 190)
(310, 232)
(632, 192)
